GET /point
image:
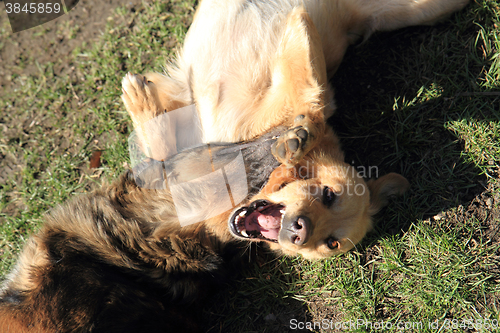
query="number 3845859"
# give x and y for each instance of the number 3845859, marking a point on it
(32, 8)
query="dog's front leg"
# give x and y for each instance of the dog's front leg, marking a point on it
(299, 89)
(305, 133)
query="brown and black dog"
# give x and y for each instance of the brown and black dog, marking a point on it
(118, 260)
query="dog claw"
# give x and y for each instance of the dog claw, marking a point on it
(300, 117)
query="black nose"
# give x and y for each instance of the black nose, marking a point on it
(300, 230)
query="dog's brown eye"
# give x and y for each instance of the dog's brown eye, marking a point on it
(328, 196)
(332, 243)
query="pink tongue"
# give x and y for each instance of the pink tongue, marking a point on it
(267, 225)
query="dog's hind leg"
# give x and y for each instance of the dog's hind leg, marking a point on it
(155, 130)
(394, 14)
(342, 23)
(171, 92)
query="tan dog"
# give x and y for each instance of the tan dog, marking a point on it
(318, 208)
(250, 66)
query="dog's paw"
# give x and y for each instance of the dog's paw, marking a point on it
(290, 147)
(140, 97)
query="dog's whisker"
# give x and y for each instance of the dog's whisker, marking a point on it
(249, 250)
(355, 247)
(311, 200)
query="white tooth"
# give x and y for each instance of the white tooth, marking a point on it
(244, 233)
(260, 209)
(243, 213)
(282, 211)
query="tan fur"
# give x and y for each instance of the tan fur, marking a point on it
(33, 255)
(349, 219)
(247, 65)
(250, 66)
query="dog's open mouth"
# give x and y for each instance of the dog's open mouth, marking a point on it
(261, 219)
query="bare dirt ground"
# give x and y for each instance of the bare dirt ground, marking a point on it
(83, 25)
(21, 55)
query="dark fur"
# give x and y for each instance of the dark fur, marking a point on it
(117, 260)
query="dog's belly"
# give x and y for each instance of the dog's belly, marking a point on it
(238, 42)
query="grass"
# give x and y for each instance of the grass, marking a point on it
(423, 102)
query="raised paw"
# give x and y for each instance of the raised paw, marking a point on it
(290, 147)
(140, 98)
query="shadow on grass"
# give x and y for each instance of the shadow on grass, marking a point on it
(399, 96)
(259, 299)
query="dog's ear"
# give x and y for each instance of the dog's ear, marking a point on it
(300, 54)
(385, 187)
